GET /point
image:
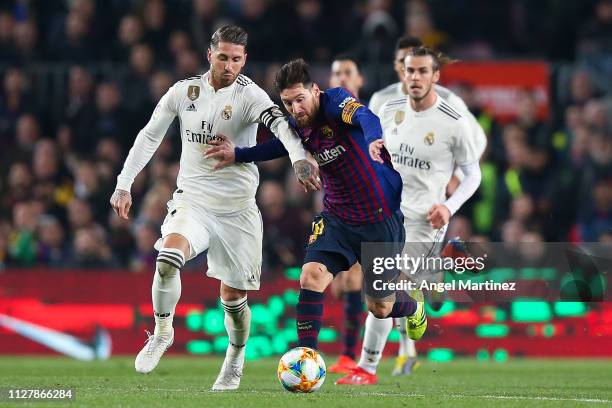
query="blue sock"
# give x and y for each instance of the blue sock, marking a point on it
(309, 313)
(353, 310)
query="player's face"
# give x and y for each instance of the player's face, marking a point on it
(398, 64)
(302, 103)
(419, 76)
(226, 62)
(345, 73)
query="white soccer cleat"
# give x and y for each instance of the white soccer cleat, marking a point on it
(229, 377)
(149, 356)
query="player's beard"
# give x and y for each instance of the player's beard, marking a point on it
(224, 78)
(423, 96)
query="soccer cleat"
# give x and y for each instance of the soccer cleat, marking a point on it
(405, 365)
(229, 377)
(417, 323)
(343, 365)
(149, 356)
(358, 376)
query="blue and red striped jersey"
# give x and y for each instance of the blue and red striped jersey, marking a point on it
(357, 189)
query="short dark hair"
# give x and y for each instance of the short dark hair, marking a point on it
(408, 42)
(348, 57)
(438, 59)
(231, 34)
(292, 73)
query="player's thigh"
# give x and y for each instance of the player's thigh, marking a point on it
(235, 251)
(330, 245)
(184, 229)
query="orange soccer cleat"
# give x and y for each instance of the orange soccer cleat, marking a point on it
(358, 376)
(343, 365)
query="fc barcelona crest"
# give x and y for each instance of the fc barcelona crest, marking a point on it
(226, 113)
(399, 117)
(327, 131)
(429, 139)
(193, 92)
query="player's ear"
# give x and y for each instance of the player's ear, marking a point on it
(208, 54)
(315, 89)
(436, 76)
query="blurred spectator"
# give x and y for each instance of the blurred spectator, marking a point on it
(90, 250)
(204, 22)
(22, 243)
(7, 22)
(14, 101)
(79, 110)
(145, 256)
(52, 248)
(135, 87)
(156, 25)
(26, 42)
(284, 234)
(111, 120)
(130, 33)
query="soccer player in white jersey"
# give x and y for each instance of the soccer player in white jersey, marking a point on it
(210, 210)
(426, 137)
(407, 356)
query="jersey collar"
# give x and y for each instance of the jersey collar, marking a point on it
(209, 88)
(427, 111)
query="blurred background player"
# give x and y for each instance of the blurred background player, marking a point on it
(407, 356)
(426, 137)
(346, 73)
(210, 210)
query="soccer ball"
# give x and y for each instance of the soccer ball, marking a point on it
(301, 370)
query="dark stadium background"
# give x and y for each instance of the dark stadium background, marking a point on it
(80, 78)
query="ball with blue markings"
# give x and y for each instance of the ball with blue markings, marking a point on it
(301, 369)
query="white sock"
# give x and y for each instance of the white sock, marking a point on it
(238, 325)
(166, 289)
(374, 340)
(406, 345)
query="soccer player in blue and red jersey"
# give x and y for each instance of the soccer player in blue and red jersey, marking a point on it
(362, 194)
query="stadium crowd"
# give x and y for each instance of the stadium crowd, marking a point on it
(542, 181)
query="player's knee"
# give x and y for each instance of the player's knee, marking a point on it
(315, 276)
(169, 262)
(353, 279)
(380, 310)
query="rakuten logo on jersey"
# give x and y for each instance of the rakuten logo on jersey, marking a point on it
(329, 155)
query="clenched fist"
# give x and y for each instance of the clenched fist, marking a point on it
(438, 216)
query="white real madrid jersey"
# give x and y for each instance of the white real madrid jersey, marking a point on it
(424, 148)
(204, 113)
(395, 91)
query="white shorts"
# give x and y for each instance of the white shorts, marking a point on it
(233, 241)
(423, 241)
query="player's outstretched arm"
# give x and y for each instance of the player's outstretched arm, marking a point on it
(146, 143)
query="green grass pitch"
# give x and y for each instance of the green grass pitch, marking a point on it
(185, 382)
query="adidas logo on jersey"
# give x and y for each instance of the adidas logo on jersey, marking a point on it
(191, 108)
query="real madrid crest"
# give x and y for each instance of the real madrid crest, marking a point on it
(327, 131)
(399, 117)
(193, 92)
(429, 139)
(226, 113)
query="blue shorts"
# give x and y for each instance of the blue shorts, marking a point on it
(337, 245)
